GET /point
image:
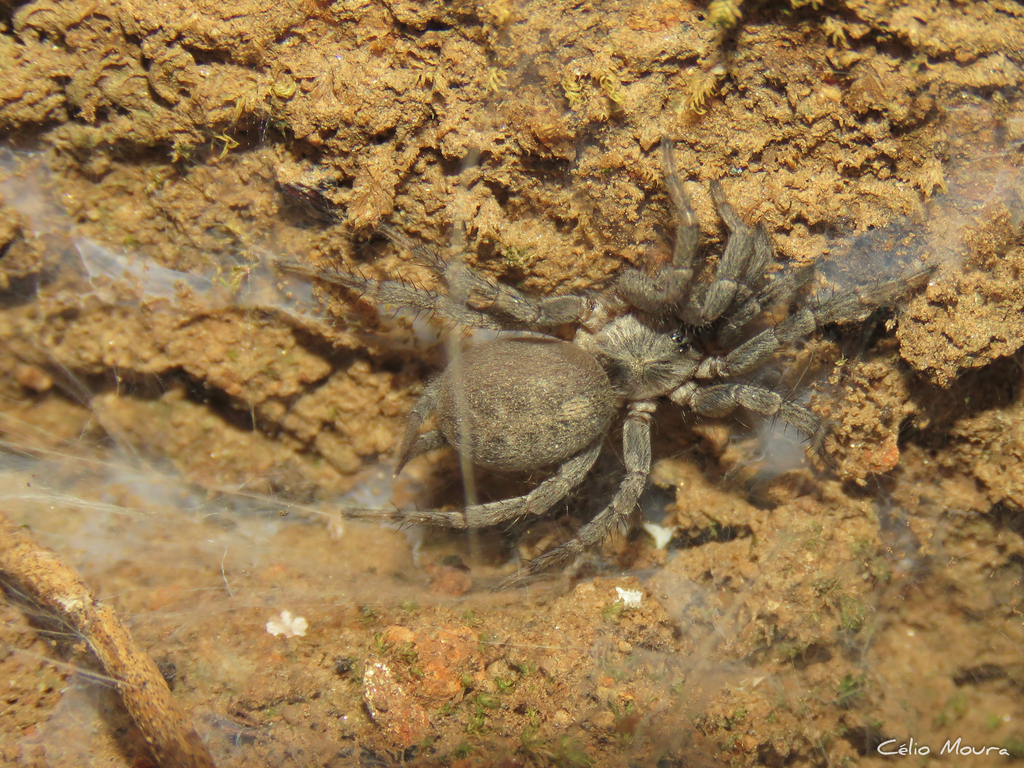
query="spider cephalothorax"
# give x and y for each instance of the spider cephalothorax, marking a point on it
(536, 402)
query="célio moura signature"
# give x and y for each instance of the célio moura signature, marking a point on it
(951, 747)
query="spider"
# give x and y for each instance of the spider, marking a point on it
(688, 334)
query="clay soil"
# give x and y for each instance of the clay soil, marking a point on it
(186, 428)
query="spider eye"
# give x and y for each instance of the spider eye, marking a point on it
(681, 340)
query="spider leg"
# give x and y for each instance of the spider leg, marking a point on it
(654, 294)
(755, 274)
(739, 252)
(536, 502)
(688, 229)
(471, 300)
(763, 256)
(413, 443)
(857, 303)
(429, 257)
(428, 441)
(668, 289)
(843, 306)
(392, 293)
(508, 306)
(781, 290)
(758, 349)
(722, 399)
(636, 441)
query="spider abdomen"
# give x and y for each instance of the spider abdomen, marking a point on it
(520, 404)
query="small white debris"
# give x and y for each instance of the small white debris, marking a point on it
(335, 527)
(661, 535)
(631, 598)
(289, 626)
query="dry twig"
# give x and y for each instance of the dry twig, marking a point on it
(42, 574)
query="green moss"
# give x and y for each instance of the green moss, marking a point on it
(852, 613)
(1015, 746)
(570, 753)
(851, 690)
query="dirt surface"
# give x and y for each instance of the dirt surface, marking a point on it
(184, 426)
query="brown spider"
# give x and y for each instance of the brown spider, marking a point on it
(688, 335)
